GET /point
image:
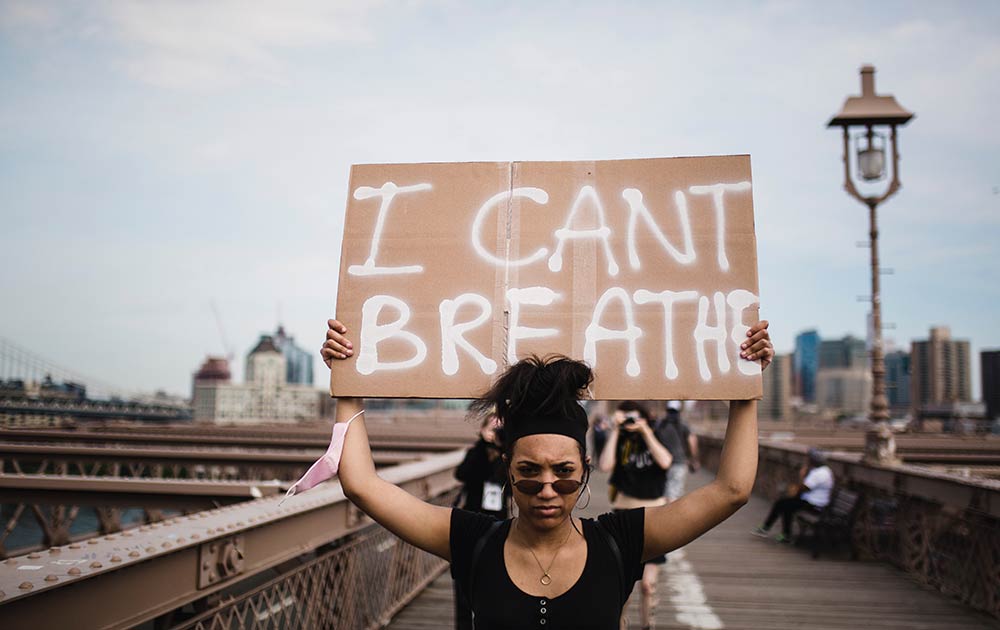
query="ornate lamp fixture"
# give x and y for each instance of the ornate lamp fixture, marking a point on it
(860, 116)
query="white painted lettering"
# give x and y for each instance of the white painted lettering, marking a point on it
(536, 296)
(638, 209)
(595, 332)
(387, 192)
(535, 194)
(452, 333)
(372, 333)
(667, 299)
(704, 333)
(602, 232)
(718, 191)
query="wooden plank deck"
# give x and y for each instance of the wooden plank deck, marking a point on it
(730, 579)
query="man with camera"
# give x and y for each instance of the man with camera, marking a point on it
(638, 459)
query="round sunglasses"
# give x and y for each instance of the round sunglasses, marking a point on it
(533, 486)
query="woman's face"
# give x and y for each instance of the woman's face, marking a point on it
(545, 457)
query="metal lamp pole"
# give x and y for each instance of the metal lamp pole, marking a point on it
(868, 111)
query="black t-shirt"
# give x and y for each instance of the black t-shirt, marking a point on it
(595, 602)
(636, 473)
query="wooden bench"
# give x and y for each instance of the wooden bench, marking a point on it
(833, 523)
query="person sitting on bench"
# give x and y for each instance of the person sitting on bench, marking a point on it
(812, 493)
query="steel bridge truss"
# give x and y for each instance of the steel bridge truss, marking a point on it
(313, 562)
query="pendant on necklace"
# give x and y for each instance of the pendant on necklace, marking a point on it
(545, 579)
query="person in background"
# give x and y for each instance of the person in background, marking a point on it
(683, 447)
(600, 425)
(811, 493)
(637, 458)
(483, 475)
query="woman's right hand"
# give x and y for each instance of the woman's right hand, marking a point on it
(337, 345)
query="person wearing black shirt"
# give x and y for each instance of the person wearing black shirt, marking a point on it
(483, 473)
(546, 568)
(637, 458)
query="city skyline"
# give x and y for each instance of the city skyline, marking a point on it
(159, 157)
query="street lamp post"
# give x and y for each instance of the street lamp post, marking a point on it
(870, 114)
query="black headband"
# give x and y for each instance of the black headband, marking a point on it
(574, 426)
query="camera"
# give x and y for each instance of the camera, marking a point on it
(631, 417)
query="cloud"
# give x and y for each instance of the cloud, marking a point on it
(16, 15)
(202, 148)
(199, 46)
(216, 45)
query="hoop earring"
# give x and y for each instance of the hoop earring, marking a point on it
(589, 496)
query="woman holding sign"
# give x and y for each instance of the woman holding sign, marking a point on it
(546, 568)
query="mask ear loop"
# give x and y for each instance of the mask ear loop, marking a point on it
(291, 489)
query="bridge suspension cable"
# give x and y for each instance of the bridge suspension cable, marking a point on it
(18, 363)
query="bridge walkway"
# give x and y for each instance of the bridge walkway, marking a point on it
(730, 579)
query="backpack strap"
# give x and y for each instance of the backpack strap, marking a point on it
(615, 550)
(477, 551)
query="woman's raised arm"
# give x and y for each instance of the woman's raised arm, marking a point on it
(678, 523)
(417, 522)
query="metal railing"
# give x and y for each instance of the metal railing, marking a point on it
(361, 584)
(169, 462)
(940, 528)
(313, 562)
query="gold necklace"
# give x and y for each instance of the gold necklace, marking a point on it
(546, 579)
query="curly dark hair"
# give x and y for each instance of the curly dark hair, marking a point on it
(550, 386)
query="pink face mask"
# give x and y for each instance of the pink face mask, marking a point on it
(327, 465)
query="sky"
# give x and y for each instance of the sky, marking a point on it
(157, 158)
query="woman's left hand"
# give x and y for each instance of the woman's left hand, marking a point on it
(337, 345)
(758, 346)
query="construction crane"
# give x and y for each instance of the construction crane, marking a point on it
(222, 332)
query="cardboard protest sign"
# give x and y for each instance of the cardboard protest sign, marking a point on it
(646, 269)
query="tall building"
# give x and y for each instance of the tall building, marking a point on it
(845, 391)
(849, 352)
(897, 380)
(265, 396)
(298, 362)
(806, 364)
(939, 371)
(990, 374)
(776, 403)
(844, 381)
